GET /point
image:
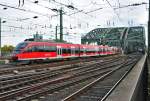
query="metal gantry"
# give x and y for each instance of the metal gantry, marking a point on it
(115, 37)
(105, 36)
(134, 39)
(128, 38)
(95, 36)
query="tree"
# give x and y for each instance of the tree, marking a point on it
(7, 48)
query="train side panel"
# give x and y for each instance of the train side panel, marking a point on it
(47, 50)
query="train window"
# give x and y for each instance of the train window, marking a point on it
(81, 50)
(40, 49)
(88, 50)
(100, 49)
(76, 50)
(46, 49)
(21, 46)
(104, 50)
(34, 49)
(64, 50)
(16, 51)
(29, 49)
(91, 50)
(69, 50)
(53, 48)
(50, 48)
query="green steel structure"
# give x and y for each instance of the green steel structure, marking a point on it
(105, 36)
(128, 38)
(115, 37)
(134, 39)
(95, 36)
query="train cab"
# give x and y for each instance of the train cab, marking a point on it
(18, 50)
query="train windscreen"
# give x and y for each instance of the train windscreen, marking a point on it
(19, 47)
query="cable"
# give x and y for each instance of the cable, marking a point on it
(24, 10)
(40, 5)
(95, 3)
(18, 20)
(71, 7)
(118, 2)
(65, 13)
(113, 10)
(94, 10)
(131, 5)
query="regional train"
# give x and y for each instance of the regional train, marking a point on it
(33, 50)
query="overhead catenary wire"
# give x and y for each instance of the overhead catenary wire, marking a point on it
(118, 3)
(75, 12)
(71, 7)
(24, 10)
(40, 5)
(113, 10)
(65, 13)
(94, 10)
(132, 5)
(17, 20)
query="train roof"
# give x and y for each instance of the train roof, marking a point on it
(51, 42)
(63, 44)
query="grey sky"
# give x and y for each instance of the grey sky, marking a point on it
(20, 24)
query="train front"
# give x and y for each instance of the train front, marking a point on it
(18, 51)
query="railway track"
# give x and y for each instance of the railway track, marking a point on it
(99, 89)
(50, 70)
(58, 84)
(44, 75)
(13, 69)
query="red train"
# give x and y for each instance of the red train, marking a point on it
(31, 50)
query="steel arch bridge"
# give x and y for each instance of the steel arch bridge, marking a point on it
(128, 38)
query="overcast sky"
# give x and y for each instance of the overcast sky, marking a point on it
(87, 15)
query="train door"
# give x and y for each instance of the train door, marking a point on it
(59, 52)
(72, 51)
(96, 50)
(102, 52)
(84, 51)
